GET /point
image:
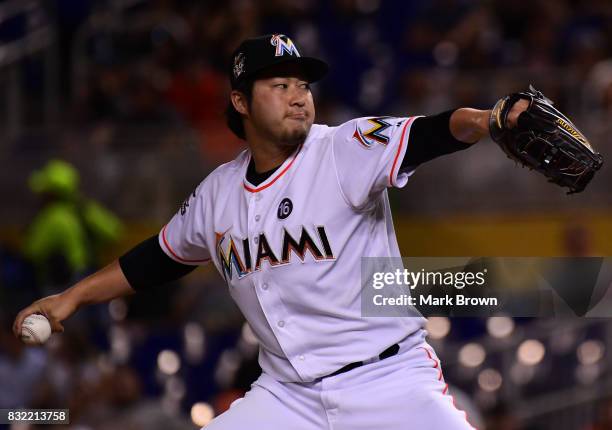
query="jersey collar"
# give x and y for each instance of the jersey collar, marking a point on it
(274, 177)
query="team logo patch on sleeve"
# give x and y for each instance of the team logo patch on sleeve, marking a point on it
(370, 131)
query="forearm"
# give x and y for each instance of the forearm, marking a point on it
(469, 125)
(106, 284)
(144, 266)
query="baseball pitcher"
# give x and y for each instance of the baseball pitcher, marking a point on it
(287, 223)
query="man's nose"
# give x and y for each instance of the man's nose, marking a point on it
(298, 97)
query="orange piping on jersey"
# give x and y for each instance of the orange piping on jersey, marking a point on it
(399, 150)
(255, 190)
(464, 413)
(445, 389)
(184, 260)
(436, 363)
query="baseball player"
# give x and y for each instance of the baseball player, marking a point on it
(286, 224)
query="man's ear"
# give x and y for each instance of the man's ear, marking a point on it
(240, 102)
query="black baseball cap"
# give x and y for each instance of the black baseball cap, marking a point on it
(259, 53)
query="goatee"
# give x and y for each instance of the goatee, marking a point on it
(296, 138)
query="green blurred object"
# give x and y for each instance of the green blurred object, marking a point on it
(57, 177)
(67, 234)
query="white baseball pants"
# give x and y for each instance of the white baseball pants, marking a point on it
(403, 392)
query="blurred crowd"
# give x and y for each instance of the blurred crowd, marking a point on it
(409, 57)
(147, 79)
(141, 85)
(143, 67)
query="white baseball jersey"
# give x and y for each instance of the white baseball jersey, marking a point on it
(290, 248)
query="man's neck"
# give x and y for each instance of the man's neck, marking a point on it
(267, 155)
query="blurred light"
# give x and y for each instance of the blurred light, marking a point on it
(228, 364)
(175, 388)
(521, 374)
(590, 352)
(118, 309)
(195, 342)
(489, 380)
(90, 374)
(438, 327)
(587, 374)
(171, 406)
(168, 362)
(248, 342)
(500, 327)
(372, 83)
(446, 53)
(563, 341)
(531, 352)
(248, 336)
(486, 400)
(120, 345)
(472, 355)
(202, 414)
(104, 363)
(54, 344)
(367, 6)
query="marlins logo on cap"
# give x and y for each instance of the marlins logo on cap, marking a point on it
(283, 45)
(259, 53)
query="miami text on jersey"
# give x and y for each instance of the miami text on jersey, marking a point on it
(233, 262)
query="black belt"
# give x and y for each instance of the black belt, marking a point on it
(389, 352)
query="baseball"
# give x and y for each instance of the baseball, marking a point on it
(35, 330)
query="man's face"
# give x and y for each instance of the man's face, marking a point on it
(282, 108)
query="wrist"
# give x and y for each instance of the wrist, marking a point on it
(74, 296)
(483, 123)
(470, 125)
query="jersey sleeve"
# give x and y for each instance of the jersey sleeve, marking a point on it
(368, 154)
(183, 238)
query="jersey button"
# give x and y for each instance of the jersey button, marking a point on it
(256, 240)
(258, 197)
(281, 323)
(301, 357)
(257, 218)
(264, 287)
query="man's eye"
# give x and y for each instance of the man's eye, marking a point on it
(305, 86)
(283, 86)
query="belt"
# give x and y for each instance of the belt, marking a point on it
(389, 352)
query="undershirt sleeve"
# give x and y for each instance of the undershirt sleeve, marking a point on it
(147, 266)
(430, 138)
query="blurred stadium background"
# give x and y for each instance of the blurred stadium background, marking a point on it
(131, 92)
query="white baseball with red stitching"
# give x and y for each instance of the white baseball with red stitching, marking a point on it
(35, 330)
